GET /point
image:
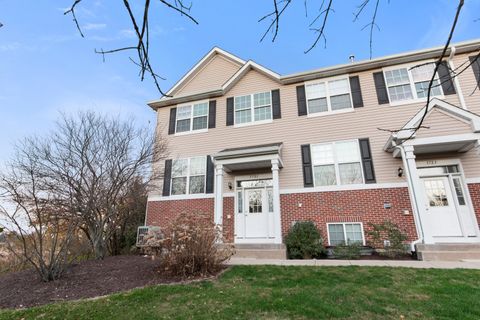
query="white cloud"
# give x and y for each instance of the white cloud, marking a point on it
(10, 46)
(127, 33)
(93, 26)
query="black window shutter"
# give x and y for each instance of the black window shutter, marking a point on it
(356, 92)
(212, 113)
(446, 79)
(307, 166)
(210, 175)
(475, 61)
(167, 175)
(173, 120)
(230, 111)
(367, 160)
(380, 87)
(301, 101)
(277, 113)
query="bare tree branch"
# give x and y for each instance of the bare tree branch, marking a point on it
(72, 11)
(274, 24)
(142, 33)
(432, 79)
(321, 31)
(372, 23)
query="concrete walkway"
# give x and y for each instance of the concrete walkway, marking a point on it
(464, 264)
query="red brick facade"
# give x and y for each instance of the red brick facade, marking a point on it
(366, 206)
(474, 189)
(162, 213)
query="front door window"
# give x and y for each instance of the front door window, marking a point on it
(255, 201)
(436, 192)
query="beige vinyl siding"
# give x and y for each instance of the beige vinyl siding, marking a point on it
(294, 131)
(438, 123)
(468, 82)
(212, 76)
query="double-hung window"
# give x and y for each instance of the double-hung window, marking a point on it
(188, 175)
(253, 108)
(337, 163)
(409, 83)
(328, 96)
(345, 234)
(192, 117)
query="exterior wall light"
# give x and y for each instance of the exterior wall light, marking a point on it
(400, 172)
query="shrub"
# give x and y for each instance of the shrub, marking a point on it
(191, 247)
(347, 251)
(388, 237)
(304, 241)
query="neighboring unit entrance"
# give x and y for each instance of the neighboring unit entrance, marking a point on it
(254, 212)
(448, 213)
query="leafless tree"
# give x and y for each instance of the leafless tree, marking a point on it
(95, 160)
(130, 215)
(40, 224)
(90, 163)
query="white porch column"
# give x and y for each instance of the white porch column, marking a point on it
(276, 202)
(218, 216)
(417, 193)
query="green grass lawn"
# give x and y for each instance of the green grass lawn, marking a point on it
(270, 292)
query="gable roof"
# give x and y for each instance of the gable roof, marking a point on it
(200, 64)
(408, 130)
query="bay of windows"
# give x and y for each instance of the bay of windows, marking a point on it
(411, 83)
(328, 96)
(253, 108)
(188, 175)
(337, 163)
(192, 117)
(345, 233)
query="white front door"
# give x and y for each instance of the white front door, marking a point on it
(254, 217)
(441, 215)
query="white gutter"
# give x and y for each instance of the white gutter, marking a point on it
(453, 50)
(413, 200)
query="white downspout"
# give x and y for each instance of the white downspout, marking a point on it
(455, 79)
(413, 200)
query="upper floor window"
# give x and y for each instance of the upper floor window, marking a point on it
(337, 163)
(192, 117)
(411, 83)
(328, 96)
(253, 108)
(188, 175)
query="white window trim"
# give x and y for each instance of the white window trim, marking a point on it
(412, 84)
(336, 164)
(252, 111)
(327, 92)
(191, 131)
(345, 231)
(188, 176)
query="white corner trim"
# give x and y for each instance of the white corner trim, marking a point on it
(472, 180)
(367, 186)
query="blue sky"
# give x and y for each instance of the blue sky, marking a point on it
(46, 67)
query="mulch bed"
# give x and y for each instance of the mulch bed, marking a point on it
(87, 279)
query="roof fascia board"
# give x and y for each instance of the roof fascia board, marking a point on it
(379, 62)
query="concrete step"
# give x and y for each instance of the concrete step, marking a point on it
(449, 247)
(260, 251)
(448, 251)
(448, 255)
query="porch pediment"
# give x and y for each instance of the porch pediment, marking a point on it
(446, 128)
(249, 157)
